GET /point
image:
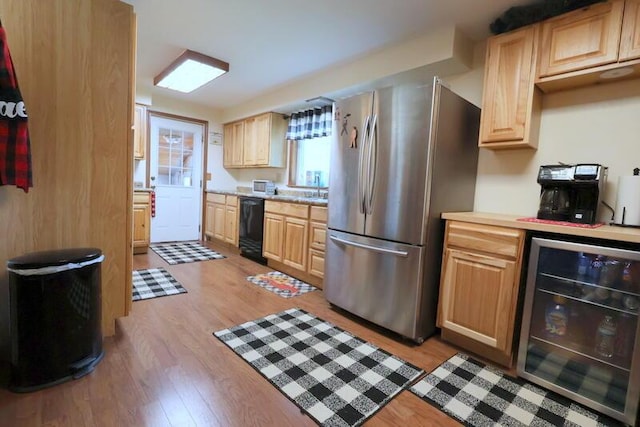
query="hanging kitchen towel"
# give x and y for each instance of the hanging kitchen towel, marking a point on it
(15, 155)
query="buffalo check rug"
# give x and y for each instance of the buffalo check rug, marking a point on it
(281, 284)
(332, 376)
(180, 253)
(153, 283)
(478, 395)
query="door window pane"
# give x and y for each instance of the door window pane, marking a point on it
(175, 151)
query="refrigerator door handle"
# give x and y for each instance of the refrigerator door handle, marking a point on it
(369, 247)
(371, 164)
(361, 180)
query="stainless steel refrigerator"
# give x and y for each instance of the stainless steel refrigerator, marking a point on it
(400, 156)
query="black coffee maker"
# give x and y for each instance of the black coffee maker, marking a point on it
(571, 192)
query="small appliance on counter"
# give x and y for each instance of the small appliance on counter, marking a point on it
(263, 186)
(571, 192)
(627, 212)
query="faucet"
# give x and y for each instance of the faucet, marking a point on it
(316, 180)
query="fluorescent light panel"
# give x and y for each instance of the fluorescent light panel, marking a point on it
(190, 71)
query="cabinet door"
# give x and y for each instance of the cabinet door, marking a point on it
(228, 146)
(295, 243)
(272, 245)
(231, 225)
(510, 100)
(477, 298)
(141, 215)
(233, 147)
(630, 41)
(139, 131)
(208, 219)
(263, 139)
(219, 213)
(250, 154)
(581, 39)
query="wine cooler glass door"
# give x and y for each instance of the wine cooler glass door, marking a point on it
(580, 324)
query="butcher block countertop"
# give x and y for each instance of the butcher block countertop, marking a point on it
(608, 232)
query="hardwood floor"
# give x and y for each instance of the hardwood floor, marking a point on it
(165, 368)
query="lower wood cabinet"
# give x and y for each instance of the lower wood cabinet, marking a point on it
(231, 220)
(294, 237)
(479, 288)
(141, 221)
(317, 237)
(221, 218)
(285, 233)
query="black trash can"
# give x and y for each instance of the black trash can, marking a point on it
(55, 316)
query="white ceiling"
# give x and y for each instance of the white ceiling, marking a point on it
(270, 42)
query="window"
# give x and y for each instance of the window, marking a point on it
(175, 150)
(309, 162)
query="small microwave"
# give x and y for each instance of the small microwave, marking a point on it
(263, 186)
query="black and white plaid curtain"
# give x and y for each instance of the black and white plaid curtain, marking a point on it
(310, 123)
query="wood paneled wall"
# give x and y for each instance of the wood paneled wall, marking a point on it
(73, 60)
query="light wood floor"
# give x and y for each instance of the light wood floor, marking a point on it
(165, 368)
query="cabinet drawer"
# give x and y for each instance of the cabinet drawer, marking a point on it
(502, 241)
(216, 198)
(316, 263)
(318, 235)
(141, 197)
(287, 209)
(232, 200)
(318, 213)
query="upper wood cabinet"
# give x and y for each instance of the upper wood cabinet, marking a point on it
(511, 103)
(139, 131)
(233, 147)
(580, 39)
(579, 47)
(630, 38)
(479, 288)
(257, 141)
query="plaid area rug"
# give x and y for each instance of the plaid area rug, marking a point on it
(334, 377)
(479, 395)
(154, 282)
(281, 284)
(179, 253)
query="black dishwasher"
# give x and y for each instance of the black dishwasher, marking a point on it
(250, 228)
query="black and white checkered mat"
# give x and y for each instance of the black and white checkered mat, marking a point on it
(179, 253)
(334, 377)
(600, 383)
(281, 284)
(479, 395)
(154, 282)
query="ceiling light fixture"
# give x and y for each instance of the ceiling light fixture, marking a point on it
(190, 71)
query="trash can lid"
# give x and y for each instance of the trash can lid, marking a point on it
(53, 258)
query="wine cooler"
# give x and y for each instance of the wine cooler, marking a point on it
(580, 325)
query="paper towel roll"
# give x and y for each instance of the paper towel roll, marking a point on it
(628, 201)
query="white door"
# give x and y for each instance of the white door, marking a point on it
(176, 172)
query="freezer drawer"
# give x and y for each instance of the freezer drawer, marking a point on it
(378, 280)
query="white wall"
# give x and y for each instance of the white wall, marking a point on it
(598, 124)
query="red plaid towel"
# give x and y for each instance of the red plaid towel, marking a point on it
(15, 155)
